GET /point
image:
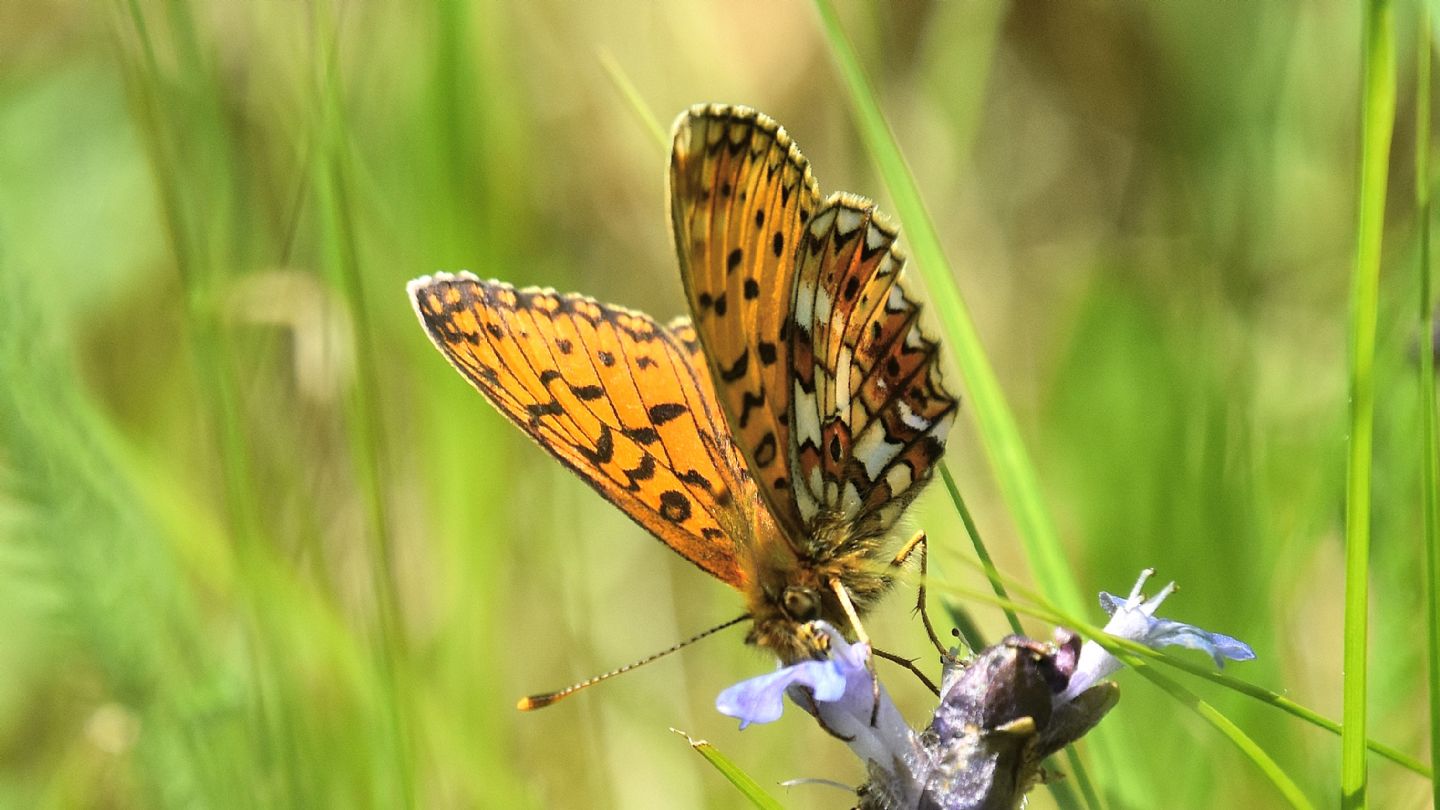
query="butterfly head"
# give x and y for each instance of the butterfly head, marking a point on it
(800, 603)
(789, 600)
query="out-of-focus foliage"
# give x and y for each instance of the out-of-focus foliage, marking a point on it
(260, 545)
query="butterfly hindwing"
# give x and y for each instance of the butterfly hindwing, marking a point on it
(740, 195)
(869, 416)
(621, 400)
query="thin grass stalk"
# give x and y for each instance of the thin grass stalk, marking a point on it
(620, 80)
(988, 564)
(1430, 452)
(743, 782)
(1247, 745)
(999, 433)
(364, 423)
(1063, 795)
(161, 119)
(1378, 111)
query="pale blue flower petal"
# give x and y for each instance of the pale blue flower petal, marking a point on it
(1167, 633)
(1133, 618)
(761, 699)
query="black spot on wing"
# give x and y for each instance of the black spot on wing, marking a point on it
(842, 237)
(645, 436)
(933, 449)
(660, 414)
(737, 369)
(539, 409)
(765, 451)
(766, 350)
(695, 478)
(604, 450)
(748, 401)
(674, 506)
(644, 472)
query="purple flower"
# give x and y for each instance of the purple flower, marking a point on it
(760, 699)
(1134, 619)
(838, 690)
(1001, 712)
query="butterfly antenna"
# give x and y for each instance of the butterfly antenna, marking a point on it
(533, 702)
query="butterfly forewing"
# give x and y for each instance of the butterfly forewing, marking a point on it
(740, 195)
(623, 401)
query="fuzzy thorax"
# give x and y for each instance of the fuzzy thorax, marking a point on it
(796, 588)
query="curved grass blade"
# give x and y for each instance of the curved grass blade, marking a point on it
(741, 780)
(1227, 727)
(1019, 483)
(628, 91)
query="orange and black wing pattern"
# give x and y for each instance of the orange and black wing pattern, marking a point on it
(740, 196)
(869, 415)
(621, 400)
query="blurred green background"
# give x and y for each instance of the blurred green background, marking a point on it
(261, 546)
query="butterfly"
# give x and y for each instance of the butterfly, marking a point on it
(775, 436)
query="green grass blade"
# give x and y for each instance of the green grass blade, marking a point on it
(1064, 796)
(634, 100)
(1379, 117)
(741, 780)
(1252, 750)
(1430, 452)
(367, 443)
(983, 553)
(1019, 483)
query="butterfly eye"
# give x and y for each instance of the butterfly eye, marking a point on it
(802, 604)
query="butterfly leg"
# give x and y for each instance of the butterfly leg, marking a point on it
(909, 663)
(918, 542)
(861, 637)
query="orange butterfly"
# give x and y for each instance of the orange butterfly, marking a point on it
(773, 441)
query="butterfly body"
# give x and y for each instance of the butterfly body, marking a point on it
(794, 589)
(775, 437)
